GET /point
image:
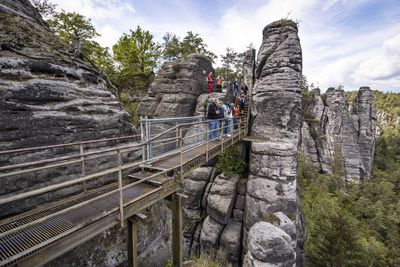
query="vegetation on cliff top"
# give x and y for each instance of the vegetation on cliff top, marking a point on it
(356, 225)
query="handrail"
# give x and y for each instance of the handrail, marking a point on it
(66, 145)
(118, 149)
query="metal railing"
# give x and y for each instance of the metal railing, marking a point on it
(172, 140)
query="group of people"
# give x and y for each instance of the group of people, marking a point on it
(243, 90)
(222, 115)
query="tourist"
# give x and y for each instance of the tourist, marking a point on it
(210, 83)
(213, 114)
(236, 114)
(242, 102)
(232, 106)
(219, 82)
(227, 115)
(235, 88)
(246, 89)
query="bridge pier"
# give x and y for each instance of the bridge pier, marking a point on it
(132, 238)
(177, 225)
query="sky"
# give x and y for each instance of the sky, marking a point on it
(352, 43)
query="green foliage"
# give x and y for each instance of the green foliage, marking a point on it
(44, 7)
(230, 162)
(207, 261)
(70, 24)
(170, 263)
(173, 48)
(231, 64)
(130, 107)
(136, 52)
(356, 225)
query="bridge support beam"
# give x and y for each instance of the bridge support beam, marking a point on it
(177, 225)
(132, 238)
(132, 243)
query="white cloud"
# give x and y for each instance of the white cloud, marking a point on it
(334, 51)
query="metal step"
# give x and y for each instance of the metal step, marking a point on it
(157, 180)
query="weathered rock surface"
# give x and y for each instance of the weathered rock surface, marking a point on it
(175, 90)
(221, 198)
(276, 123)
(49, 96)
(341, 133)
(248, 68)
(230, 242)
(210, 234)
(269, 244)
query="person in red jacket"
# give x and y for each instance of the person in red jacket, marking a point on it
(210, 83)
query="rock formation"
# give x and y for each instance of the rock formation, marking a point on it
(276, 121)
(338, 137)
(176, 88)
(268, 245)
(48, 96)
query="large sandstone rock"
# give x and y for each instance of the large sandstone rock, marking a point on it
(340, 134)
(276, 123)
(221, 197)
(210, 234)
(49, 96)
(175, 90)
(230, 242)
(365, 111)
(269, 244)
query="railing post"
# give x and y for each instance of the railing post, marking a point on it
(207, 140)
(221, 136)
(181, 151)
(83, 172)
(177, 228)
(132, 243)
(177, 137)
(232, 129)
(121, 200)
(142, 136)
(239, 120)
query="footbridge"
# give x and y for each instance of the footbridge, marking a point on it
(147, 168)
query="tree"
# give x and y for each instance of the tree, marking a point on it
(137, 52)
(193, 43)
(44, 7)
(171, 47)
(229, 62)
(67, 25)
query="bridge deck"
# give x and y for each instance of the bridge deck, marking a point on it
(45, 240)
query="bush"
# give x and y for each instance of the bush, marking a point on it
(230, 162)
(130, 107)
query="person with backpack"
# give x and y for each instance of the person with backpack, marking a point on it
(213, 114)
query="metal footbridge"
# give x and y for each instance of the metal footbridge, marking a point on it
(145, 168)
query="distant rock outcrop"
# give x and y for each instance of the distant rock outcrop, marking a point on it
(339, 137)
(275, 123)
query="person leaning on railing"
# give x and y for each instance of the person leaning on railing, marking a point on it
(213, 115)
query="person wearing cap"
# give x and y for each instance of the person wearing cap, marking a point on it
(213, 114)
